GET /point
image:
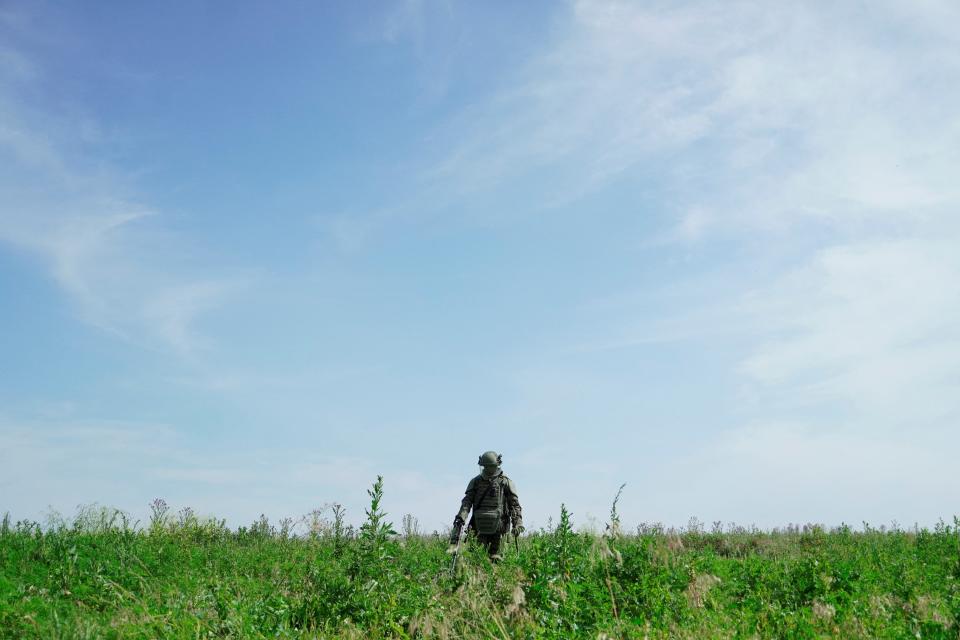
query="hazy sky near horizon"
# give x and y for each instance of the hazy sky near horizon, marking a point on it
(253, 255)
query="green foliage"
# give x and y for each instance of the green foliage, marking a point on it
(613, 527)
(180, 576)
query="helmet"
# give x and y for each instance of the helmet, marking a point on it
(490, 459)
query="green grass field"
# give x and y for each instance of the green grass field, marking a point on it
(99, 576)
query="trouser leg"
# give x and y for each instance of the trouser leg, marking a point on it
(491, 542)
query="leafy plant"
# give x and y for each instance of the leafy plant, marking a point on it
(101, 575)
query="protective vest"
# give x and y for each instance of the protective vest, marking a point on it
(490, 515)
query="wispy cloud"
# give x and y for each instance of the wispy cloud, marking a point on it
(798, 161)
(172, 311)
(102, 246)
(821, 143)
(745, 118)
(790, 110)
(404, 20)
(874, 325)
(811, 119)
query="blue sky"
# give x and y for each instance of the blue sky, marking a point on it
(252, 257)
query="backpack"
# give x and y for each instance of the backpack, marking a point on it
(488, 518)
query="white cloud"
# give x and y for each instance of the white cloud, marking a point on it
(45, 465)
(801, 115)
(824, 133)
(172, 311)
(874, 324)
(762, 113)
(774, 473)
(125, 465)
(96, 239)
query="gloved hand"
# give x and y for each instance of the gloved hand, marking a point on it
(518, 529)
(455, 532)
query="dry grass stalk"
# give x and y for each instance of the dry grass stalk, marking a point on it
(823, 612)
(698, 589)
(517, 600)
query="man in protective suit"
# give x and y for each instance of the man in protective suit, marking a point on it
(492, 497)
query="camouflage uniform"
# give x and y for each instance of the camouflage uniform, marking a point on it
(485, 493)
